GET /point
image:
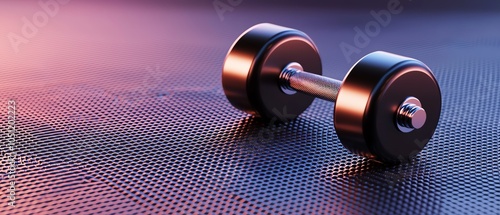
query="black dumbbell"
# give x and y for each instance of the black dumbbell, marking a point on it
(386, 108)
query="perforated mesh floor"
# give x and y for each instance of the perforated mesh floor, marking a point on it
(122, 112)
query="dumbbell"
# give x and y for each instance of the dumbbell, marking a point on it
(386, 108)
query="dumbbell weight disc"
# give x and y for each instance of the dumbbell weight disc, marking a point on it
(252, 67)
(370, 95)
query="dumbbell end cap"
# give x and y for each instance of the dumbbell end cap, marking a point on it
(366, 111)
(250, 75)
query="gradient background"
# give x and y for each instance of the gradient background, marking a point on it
(121, 111)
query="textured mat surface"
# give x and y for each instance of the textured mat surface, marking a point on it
(119, 110)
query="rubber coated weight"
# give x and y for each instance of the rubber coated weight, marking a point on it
(371, 93)
(252, 67)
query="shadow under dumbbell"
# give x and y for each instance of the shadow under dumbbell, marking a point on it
(255, 135)
(363, 180)
(299, 156)
(303, 137)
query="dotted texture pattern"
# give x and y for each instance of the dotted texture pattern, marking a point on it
(139, 124)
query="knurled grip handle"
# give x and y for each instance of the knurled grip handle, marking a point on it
(322, 87)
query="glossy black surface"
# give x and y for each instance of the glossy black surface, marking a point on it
(373, 90)
(250, 76)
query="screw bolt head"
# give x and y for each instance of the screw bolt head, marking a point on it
(410, 115)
